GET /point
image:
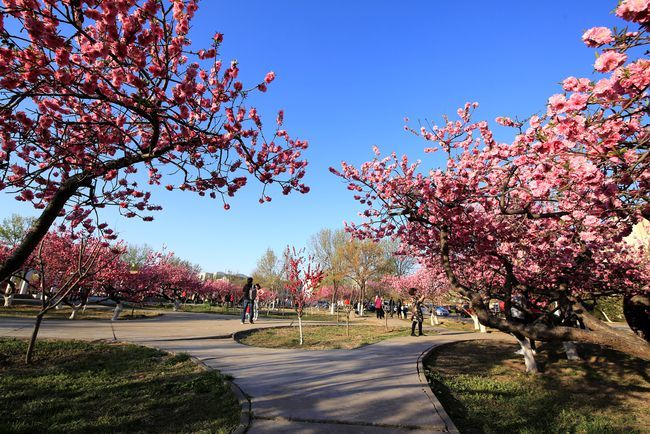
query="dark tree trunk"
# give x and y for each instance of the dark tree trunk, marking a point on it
(40, 227)
(637, 314)
(32, 341)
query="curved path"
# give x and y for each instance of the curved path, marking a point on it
(373, 389)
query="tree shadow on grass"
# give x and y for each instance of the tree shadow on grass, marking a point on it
(483, 387)
(77, 387)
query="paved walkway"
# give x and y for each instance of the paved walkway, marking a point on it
(373, 389)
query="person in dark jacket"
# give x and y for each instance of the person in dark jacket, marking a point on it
(246, 300)
(416, 312)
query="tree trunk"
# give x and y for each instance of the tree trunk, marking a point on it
(32, 341)
(117, 311)
(529, 357)
(605, 315)
(347, 323)
(571, 350)
(300, 327)
(477, 325)
(637, 314)
(40, 227)
(386, 321)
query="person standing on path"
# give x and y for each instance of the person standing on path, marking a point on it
(246, 300)
(416, 312)
(378, 306)
(391, 306)
(255, 305)
(399, 308)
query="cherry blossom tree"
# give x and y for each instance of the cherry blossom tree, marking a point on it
(303, 277)
(537, 223)
(66, 267)
(165, 275)
(94, 91)
(219, 289)
(430, 283)
(120, 283)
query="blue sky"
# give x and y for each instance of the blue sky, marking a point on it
(347, 73)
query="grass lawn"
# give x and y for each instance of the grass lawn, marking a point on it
(30, 311)
(483, 387)
(75, 387)
(456, 324)
(318, 337)
(309, 314)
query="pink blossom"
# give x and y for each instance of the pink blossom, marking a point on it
(557, 103)
(609, 61)
(269, 77)
(634, 10)
(577, 101)
(597, 36)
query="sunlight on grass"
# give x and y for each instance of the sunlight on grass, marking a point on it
(320, 337)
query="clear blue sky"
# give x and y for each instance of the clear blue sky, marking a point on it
(348, 72)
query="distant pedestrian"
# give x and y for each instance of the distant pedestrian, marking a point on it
(246, 300)
(399, 308)
(255, 299)
(378, 308)
(417, 316)
(391, 306)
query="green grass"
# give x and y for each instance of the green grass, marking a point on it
(483, 387)
(318, 337)
(30, 311)
(309, 315)
(456, 324)
(78, 387)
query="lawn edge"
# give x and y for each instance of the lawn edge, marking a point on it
(246, 414)
(426, 388)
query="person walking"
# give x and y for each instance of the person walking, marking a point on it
(399, 308)
(416, 312)
(391, 306)
(378, 306)
(246, 300)
(255, 299)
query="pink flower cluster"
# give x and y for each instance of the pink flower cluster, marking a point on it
(637, 11)
(542, 217)
(129, 80)
(597, 36)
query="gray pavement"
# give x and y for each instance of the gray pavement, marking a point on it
(373, 389)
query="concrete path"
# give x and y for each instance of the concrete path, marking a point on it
(373, 389)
